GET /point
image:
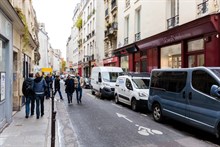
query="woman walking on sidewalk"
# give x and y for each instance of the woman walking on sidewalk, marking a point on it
(69, 83)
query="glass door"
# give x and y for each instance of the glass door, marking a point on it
(196, 60)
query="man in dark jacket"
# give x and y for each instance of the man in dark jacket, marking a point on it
(57, 86)
(27, 90)
(69, 83)
(40, 86)
(49, 81)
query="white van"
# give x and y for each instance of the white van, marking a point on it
(103, 80)
(133, 89)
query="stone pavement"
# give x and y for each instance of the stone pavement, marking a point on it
(34, 132)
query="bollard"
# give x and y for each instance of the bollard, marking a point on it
(53, 129)
(53, 120)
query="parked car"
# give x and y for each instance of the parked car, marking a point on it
(133, 89)
(87, 82)
(103, 80)
(189, 95)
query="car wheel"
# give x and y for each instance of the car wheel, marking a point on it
(101, 94)
(134, 104)
(93, 92)
(157, 113)
(116, 99)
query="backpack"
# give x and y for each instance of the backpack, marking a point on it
(27, 88)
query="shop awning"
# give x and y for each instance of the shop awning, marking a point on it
(131, 48)
(198, 27)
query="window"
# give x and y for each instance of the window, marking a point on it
(138, 25)
(195, 45)
(169, 81)
(173, 11)
(202, 81)
(126, 31)
(128, 84)
(170, 56)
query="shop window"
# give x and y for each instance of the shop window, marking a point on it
(195, 45)
(124, 63)
(2, 55)
(171, 56)
(137, 66)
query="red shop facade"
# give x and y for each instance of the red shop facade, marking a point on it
(112, 61)
(195, 43)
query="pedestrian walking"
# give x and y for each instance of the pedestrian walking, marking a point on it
(40, 86)
(79, 82)
(27, 90)
(49, 82)
(57, 86)
(69, 89)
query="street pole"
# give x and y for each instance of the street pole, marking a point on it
(53, 119)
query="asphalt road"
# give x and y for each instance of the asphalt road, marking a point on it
(102, 123)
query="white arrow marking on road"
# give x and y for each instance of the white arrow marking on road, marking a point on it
(121, 115)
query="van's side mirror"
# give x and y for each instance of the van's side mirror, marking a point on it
(215, 91)
(100, 80)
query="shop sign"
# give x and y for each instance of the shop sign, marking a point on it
(110, 60)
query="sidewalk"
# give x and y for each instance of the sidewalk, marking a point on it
(34, 132)
(29, 132)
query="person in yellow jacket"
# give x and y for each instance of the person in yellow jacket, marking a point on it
(79, 83)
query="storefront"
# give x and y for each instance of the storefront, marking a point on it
(113, 61)
(126, 57)
(192, 44)
(80, 68)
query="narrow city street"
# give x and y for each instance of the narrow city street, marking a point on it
(102, 123)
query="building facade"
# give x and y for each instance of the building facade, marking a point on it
(43, 46)
(25, 47)
(90, 41)
(168, 39)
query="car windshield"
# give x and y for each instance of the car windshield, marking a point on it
(216, 72)
(141, 83)
(110, 76)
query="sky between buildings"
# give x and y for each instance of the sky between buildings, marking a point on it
(57, 16)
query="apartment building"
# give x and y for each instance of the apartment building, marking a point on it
(25, 48)
(90, 41)
(16, 54)
(111, 28)
(43, 46)
(56, 60)
(162, 34)
(73, 44)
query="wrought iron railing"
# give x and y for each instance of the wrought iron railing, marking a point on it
(126, 41)
(203, 7)
(138, 36)
(173, 21)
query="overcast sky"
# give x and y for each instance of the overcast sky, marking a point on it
(57, 16)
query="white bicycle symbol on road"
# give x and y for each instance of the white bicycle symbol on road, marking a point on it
(147, 131)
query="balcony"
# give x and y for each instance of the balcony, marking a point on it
(126, 41)
(202, 8)
(114, 6)
(127, 3)
(138, 36)
(93, 33)
(172, 22)
(106, 13)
